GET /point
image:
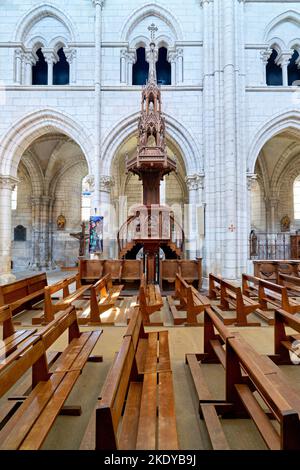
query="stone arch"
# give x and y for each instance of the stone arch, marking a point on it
(31, 164)
(23, 133)
(151, 9)
(40, 12)
(176, 132)
(283, 163)
(290, 15)
(289, 119)
(61, 173)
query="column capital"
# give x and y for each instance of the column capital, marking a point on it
(30, 58)
(98, 3)
(131, 57)
(205, 2)
(8, 182)
(251, 180)
(70, 54)
(265, 55)
(284, 58)
(88, 184)
(50, 56)
(195, 181)
(19, 53)
(106, 183)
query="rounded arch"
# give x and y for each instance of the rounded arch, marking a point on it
(139, 41)
(277, 44)
(177, 133)
(289, 120)
(40, 12)
(24, 132)
(290, 15)
(58, 42)
(151, 9)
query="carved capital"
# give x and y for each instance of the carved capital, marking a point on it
(30, 58)
(88, 184)
(195, 182)
(50, 57)
(8, 182)
(70, 54)
(251, 180)
(284, 58)
(265, 55)
(106, 183)
(18, 53)
(98, 3)
(131, 57)
(205, 2)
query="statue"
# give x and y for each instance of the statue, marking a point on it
(82, 237)
(61, 222)
(285, 223)
(253, 243)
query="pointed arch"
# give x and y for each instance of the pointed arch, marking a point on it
(25, 131)
(290, 15)
(40, 12)
(151, 9)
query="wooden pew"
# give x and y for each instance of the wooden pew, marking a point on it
(68, 298)
(231, 295)
(286, 345)
(137, 408)
(246, 372)
(214, 286)
(292, 283)
(191, 271)
(103, 297)
(277, 295)
(250, 285)
(132, 270)
(29, 425)
(24, 293)
(114, 268)
(168, 270)
(90, 270)
(190, 300)
(6, 322)
(150, 301)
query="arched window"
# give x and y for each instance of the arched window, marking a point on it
(61, 70)
(163, 67)
(14, 198)
(274, 71)
(85, 201)
(40, 70)
(140, 68)
(293, 70)
(296, 193)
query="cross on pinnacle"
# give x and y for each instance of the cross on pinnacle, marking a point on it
(152, 28)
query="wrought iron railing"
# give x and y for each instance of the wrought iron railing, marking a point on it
(269, 245)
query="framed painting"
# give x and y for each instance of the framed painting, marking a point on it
(96, 234)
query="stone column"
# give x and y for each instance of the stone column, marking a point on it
(283, 60)
(107, 211)
(195, 187)
(51, 59)
(71, 58)
(98, 134)
(7, 185)
(265, 55)
(131, 59)
(179, 67)
(45, 203)
(172, 60)
(123, 58)
(29, 62)
(18, 66)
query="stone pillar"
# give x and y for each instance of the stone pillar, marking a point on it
(131, 59)
(51, 59)
(172, 60)
(45, 202)
(265, 55)
(7, 185)
(179, 67)
(283, 60)
(18, 66)
(41, 233)
(195, 187)
(71, 58)
(98, 134)
(273, 204)
(29, 62)
(107, 211)
(123, 58)
(35, 237)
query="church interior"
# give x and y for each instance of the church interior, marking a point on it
(149, 225)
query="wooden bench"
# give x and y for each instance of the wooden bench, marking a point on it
(137, 407)
(150, 301)
(277, 295)
(24, 293)
(29, 425)
(214, 286)
(246, 372)
(286, 345)
(292, 283)
(68, 298)
(190, 300)
(231, 296)
(191, 271)
(250, 285)
(103, 297)
(132, 270)
(6, 322)
(168, 270)
(90, 270)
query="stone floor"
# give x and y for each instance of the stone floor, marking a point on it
(68, 431)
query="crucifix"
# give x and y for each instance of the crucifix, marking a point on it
(152, 28)
(82, 237)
